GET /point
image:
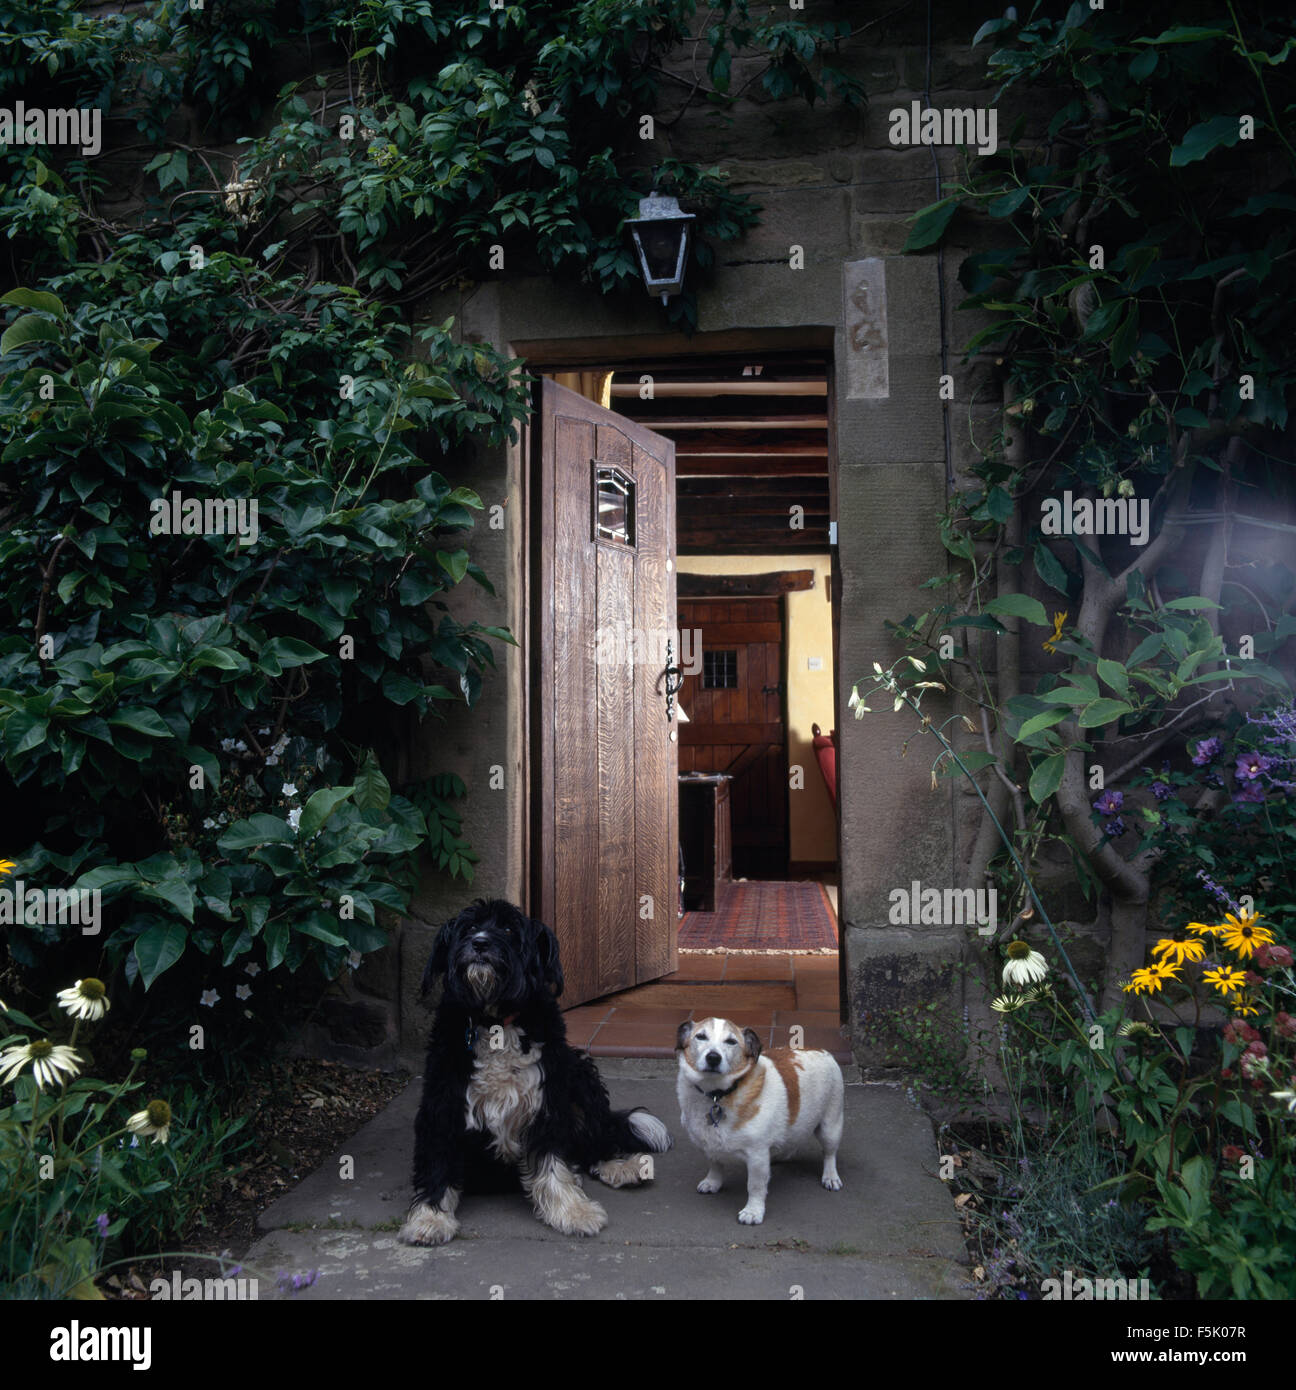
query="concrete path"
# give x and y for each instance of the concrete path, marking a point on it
(890, 1233)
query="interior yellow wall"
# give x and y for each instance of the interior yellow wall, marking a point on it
(813, 824)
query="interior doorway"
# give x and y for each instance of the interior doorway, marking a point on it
(757, 623)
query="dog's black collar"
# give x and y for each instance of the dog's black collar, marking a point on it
(716, 1113)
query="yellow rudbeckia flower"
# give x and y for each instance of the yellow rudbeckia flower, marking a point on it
(1241, 935)
(1225, 979)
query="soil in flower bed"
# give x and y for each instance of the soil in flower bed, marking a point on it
(984, 1157)
(301, 1112)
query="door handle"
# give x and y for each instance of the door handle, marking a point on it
(674, 679)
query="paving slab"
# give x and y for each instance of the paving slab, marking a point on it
(890, 1233)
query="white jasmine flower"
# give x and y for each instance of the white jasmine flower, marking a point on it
(210, 998)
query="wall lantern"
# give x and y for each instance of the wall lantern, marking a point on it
(663, 236)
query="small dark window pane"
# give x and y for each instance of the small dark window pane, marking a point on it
(614, 505)
(720, 670)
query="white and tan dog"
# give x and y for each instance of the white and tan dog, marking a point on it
(736, 1103)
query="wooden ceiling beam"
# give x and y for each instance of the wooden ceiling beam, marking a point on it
(743, 585)
(752, 386)
(754, 422)
(743, 466)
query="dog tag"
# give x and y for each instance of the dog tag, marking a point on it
(716, 1113)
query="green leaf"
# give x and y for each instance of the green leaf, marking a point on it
(1114, 674)
(1047, 777)
(142, 720)
(1204, 137)
(1050, 569)
(1019, 606)
(999, 504)
(35, 299)
(1042, 721)
(372, 789)
(31, 328)
(158, 949)
(455, 565)
(259, 829)
(1142, 65)
(1194, 604)
(1184, 33)
(287, 652)
(320, 807)
(275, 937)
(930, 223)
(220, 657)
(175, 892)
(1103, 712)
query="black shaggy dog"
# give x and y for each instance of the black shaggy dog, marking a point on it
(504, 1095)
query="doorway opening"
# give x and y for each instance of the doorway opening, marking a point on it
(757, 627)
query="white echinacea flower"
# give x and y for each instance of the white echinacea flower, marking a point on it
(154, 1119)
(47, 1060)
(1024, 967)
(87, 999)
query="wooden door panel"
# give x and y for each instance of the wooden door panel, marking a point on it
(605, 805)
(574, 847)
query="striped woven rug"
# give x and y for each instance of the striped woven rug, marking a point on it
(764, 916)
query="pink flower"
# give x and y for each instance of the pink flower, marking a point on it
(1273, 954)
(1284, 1025)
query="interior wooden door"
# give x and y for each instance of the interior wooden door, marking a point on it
(606, 805)
(736, 707)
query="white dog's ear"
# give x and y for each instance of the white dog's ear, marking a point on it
(682, 1035)
(751, 1043)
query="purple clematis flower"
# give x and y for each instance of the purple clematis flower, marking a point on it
(1109, 803)
(1249, 792)
(1115, 827)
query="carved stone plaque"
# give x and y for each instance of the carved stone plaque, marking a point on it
(865, 317)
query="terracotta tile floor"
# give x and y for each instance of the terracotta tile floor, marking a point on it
(770, 992)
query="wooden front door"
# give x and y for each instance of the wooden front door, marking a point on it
(605, 756)
(735, 706)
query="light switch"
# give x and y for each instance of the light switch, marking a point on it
(814, 663)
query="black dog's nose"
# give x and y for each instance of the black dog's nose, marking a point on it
(713, 1059)
(480, 938)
